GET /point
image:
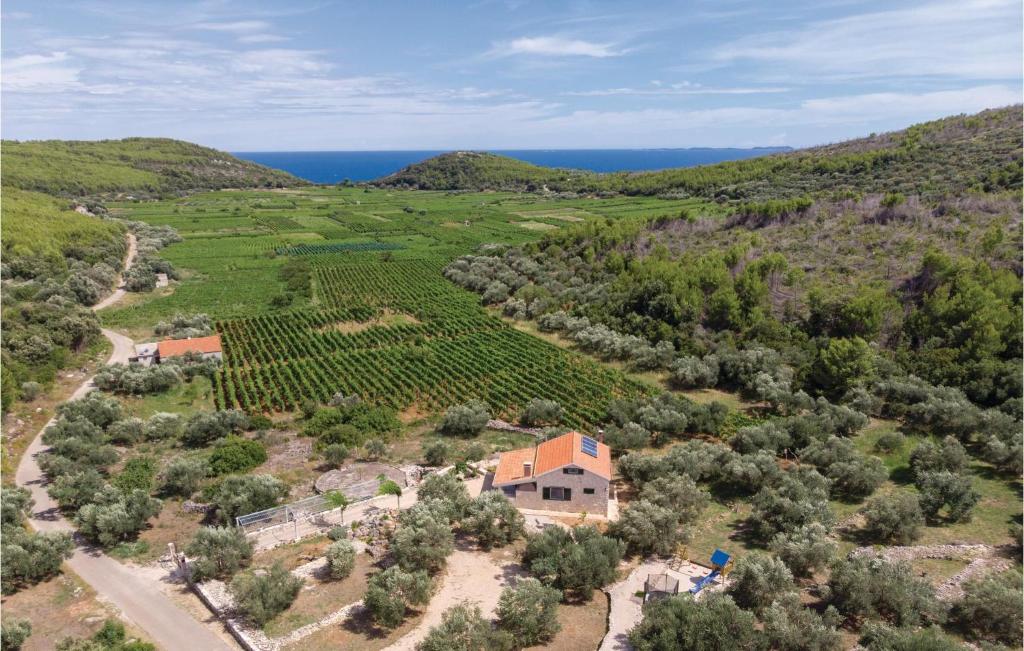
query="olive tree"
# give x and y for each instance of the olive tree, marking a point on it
(394, 590)
(711, 624)
(804, 550)
(494, 520)
(263, 596)
(464, 628)
(529, 612)
(648, 528)
(944, 489)
(468, 419)
(893, 518)
(219, 552)
(757, 580)
(182, 475)
(341, 559)
(242, 494)
(991, 608)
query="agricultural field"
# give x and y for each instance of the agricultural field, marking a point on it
(379, 319)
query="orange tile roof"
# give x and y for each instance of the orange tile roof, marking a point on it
(175, 347)
(551, 455)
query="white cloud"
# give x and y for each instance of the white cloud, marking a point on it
(40, 73)
(968, 39)
(555, 46)
(279, 62)
(235, 27)
(677, 89)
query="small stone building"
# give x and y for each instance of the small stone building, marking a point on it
(569, 473)
(154, 353)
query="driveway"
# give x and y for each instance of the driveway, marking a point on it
(139, 598)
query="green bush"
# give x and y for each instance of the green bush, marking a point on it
(219, 552)
(468, 419)
(341, 559)
(137, 474)
(261, 597)
(235, 455)
(391, 592)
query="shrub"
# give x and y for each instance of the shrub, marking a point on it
(943, 489)
(694, 372)
(13, 634)
(879, 637)
(464, 628)
(204, 428)
(162, 426)
(393, 591)
(541, 412)
(73, 491)
(243, 494)
(436, 453)
(893, 518)
(127, 431)
(713, 623)
(890, 442)
(468, 419)
(337, 532)
(182, 476)
(991, 608)
(235, 454)
(341, 559)
(137, 474)
(528, 611)
(576, 562)
(335, 454)
(757, 580)
(804, 550)
(375, 449)
(261, 597)
(219, 552)
(493, 519)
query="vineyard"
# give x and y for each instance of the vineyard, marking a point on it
(381, 321)
(454, 351)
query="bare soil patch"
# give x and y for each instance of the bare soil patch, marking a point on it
(62, 607)
(321, 596)
(583, 625)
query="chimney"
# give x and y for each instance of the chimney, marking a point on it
(527, 469)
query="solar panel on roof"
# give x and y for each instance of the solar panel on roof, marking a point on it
(589, 446)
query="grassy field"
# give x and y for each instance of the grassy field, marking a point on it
(380, 320)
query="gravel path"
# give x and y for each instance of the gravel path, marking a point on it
(472, 576)
(137, 596)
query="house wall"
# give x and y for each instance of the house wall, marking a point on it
(596, 503)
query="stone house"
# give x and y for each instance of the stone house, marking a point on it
(569, 473)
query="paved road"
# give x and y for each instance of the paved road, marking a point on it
(140, 599)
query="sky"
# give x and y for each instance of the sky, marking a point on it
(500, 74)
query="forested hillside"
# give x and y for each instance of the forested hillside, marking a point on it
(893, 304)
(956, 154)
(140, 166)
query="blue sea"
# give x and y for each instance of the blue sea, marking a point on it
(336, 166)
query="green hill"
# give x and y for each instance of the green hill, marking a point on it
(141, 166)
(945, 156)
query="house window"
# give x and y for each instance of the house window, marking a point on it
(510, 491)
(572, 471)
(557, 493)
(588, 491)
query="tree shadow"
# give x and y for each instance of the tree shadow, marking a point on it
(361, 622)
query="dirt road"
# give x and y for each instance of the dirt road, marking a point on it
(139, 598)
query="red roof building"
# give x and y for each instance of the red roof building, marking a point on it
(202, 345)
